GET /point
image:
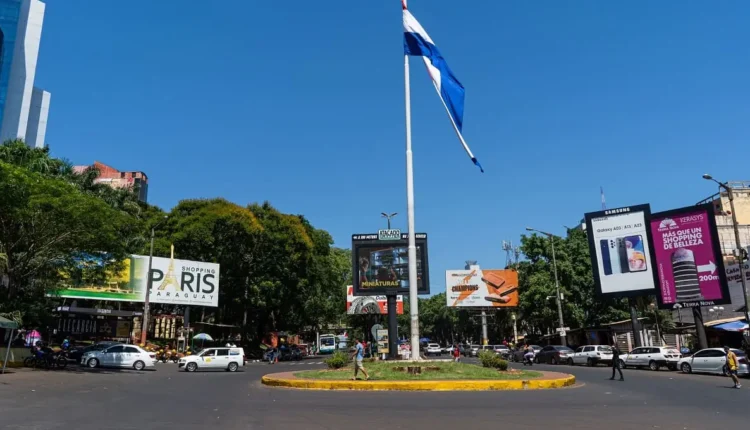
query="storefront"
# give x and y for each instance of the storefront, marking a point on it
(92, 324)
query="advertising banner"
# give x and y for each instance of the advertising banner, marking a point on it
(689, 263)
(476, 287)
(621, 257)
(382, 339)
(381, 267)
(179, 282)
(365, 305)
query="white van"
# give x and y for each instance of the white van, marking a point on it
(229, 359)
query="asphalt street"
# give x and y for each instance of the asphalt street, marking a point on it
(165, 398)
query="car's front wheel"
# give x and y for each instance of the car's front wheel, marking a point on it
(92, 363)
(191, 367)
(622, 364)
(686, 368)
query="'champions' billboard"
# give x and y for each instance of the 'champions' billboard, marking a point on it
(475, 287)
(689, 263)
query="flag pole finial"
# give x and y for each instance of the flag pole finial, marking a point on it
(403, 4)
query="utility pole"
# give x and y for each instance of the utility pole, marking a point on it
(146, 310)
(563, 337)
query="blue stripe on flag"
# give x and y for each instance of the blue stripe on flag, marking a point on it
(451, 90)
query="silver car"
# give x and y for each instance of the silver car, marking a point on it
(713, 360)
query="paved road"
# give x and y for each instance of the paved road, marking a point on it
(165, 398)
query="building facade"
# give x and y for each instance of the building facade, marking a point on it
(23, 108)
(135, 180)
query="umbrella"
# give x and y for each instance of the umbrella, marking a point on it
(732, 326)
(32, 337)
(424, 339)
(202, 336)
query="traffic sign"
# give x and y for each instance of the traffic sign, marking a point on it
(562, 329)
(562, 333)
(392, 234)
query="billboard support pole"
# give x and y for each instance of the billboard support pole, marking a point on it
(146, 310)
(392, 327)
(700, 329)
(413, 294)
(634, 322)
(485, 341)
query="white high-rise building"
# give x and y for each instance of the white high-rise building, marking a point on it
(23, 108)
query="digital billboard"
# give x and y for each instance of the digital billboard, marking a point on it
(476, 287)
(382, 266)
(689, 263)
(621, 256)
(367, 305)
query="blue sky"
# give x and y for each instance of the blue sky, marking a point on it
(301, 103)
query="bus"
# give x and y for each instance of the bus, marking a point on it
(327, 343)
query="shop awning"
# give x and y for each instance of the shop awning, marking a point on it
(6, 323)
(732, 326)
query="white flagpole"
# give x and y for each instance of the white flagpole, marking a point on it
(413, 297)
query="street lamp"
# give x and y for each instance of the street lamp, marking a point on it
(740, 253)
(388, 217)
(563, 338)
(144, 324)
(718, 310)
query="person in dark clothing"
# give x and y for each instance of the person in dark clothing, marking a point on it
(616, 363)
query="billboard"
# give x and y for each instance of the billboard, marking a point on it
(475, 287)
(366, 305)
(689, 264)
(179, 282)
(621, 258)
(94, 278)
(381, 267)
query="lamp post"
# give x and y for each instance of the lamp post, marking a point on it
(563, 337)
(388, 217)
(146, 310)
(739, 252)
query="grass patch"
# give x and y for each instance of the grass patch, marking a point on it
(384, 371)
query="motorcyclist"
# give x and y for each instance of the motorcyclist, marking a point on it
(528, 355)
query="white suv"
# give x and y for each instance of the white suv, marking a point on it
(229, 359)
(433, 349)
(591, 355)
(653, 357)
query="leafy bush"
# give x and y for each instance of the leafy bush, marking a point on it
(492, 360)
(337, 360)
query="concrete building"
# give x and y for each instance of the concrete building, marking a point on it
(117, 179)
(724, 223)
(23, 108)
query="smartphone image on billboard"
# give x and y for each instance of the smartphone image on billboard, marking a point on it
(606, 261)
(622, 254)
(635, 254)
(614, 257)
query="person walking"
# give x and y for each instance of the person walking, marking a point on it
(456, 354)
(732, 366)
(359, 352)
(616, 362)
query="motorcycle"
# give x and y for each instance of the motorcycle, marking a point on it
(528, 359)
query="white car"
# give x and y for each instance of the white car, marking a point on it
(120, 356)
(591, 355)
(713, 360)
(653, 357)
(229, 359)
(433, 349)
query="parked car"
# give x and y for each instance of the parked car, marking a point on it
(591, 355)
(433, 349)
(471, 350)
(653, 357)
(77, 352)
(229, 359)
(503, 351)
(120, 356)
(553, 354)
(713, 360)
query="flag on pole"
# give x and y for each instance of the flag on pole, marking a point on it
(418, 43)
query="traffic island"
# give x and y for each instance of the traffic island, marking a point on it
(388, 376)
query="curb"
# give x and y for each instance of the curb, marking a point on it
(277, 380)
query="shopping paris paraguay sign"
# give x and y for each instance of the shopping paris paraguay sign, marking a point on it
(183, 282)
